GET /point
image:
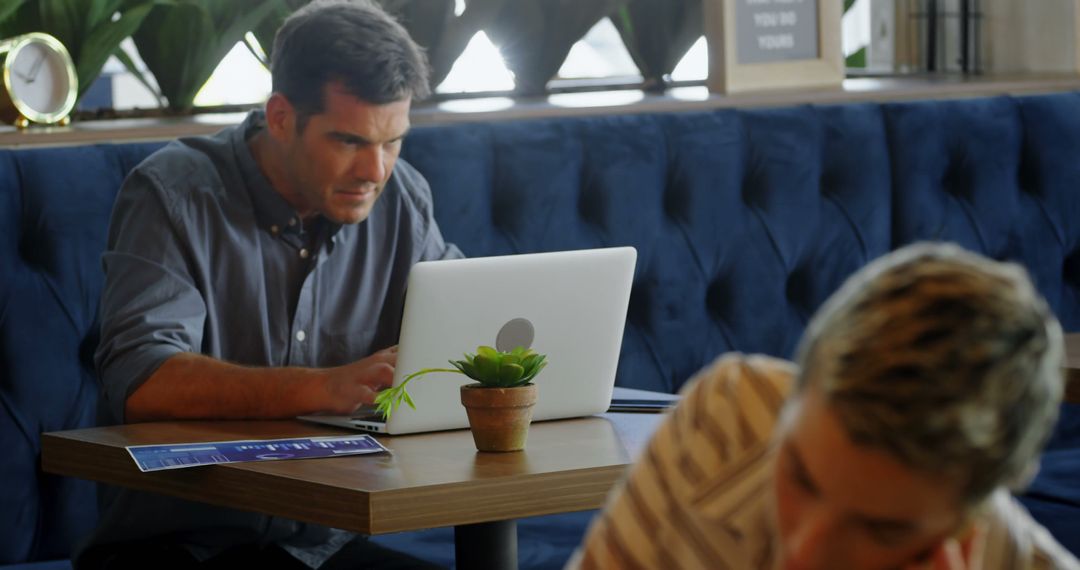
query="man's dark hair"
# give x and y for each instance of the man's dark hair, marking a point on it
(353, 42)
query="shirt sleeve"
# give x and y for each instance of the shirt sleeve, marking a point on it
(700, 484)
(150, 306)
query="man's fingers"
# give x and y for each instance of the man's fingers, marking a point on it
(965, 553)
(367, 397)
(380, 375)
(973, 546)
(388, 355)
(950, 557)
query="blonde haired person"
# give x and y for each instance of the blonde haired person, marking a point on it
(923, 393)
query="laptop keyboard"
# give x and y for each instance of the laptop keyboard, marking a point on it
(370, 418)
(367, 414)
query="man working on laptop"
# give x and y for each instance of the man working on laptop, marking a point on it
(256, 273)
(925, 390)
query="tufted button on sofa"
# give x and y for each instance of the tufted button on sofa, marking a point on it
(744, 221)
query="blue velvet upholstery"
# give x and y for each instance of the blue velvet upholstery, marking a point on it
(54, 208)
(744, 221)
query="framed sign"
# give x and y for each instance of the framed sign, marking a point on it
(773, 44)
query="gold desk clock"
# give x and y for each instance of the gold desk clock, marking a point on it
(39, 82)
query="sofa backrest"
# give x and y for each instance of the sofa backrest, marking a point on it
(54, 211)
(744, 221)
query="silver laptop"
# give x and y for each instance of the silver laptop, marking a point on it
(568, 305)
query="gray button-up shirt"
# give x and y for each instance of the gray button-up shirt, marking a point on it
(205, 256)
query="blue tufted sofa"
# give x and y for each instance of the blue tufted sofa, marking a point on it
(745, 221)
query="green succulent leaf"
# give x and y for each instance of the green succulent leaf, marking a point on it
(510, 372)
(536, 370)
(486, 366)
(470, 370)
(489, 367)
(530, 362)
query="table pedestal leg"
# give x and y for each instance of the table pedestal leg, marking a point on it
(486, 546)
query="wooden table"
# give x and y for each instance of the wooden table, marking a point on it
(428, 480)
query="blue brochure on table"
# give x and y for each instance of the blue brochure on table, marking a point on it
(180, 455)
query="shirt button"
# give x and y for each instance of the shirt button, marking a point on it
(274, 229)
(304, 253)
(300, 336)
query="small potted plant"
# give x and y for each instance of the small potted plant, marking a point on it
(499, 404)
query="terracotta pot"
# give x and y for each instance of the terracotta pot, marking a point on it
(499, 417)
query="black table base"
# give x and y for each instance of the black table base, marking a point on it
(486, 546)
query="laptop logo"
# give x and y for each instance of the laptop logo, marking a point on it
(515, 333)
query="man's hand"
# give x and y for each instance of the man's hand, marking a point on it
(963, 553)
(350, 386)
(195, 387)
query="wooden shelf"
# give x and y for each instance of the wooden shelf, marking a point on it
(578, 104)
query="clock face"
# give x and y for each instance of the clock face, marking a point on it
(39, 78)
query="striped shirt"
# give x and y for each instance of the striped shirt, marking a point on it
(700, 495)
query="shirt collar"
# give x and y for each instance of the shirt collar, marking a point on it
(272, 212)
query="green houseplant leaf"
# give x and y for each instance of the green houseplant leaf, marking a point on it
(658, 34)
(104, 39)
(490, 367)
(87, 28)
(61, 19)
(535, 36)
(432, 23)
(478, 15)
(183, 41)
(139, 75)
(9, 8)
(264, 31)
